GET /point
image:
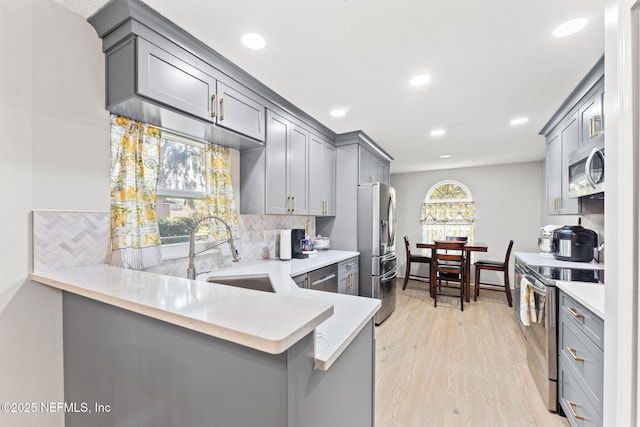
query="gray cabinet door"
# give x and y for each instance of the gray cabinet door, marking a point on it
(277, 196)
(560, 144)
(592, 118)
(329, 178)
(367, 166)
(554, 173)
(237, 112)
(298, 176)
(316, 176)
(169, 80)
(383, 173)
(569, 133)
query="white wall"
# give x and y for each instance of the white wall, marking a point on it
(507, 199)
(55, 155)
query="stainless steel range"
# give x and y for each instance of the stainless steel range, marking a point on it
(541, 333)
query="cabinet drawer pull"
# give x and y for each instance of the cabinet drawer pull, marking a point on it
(572, 352)
(574, 313)
(214, 106)
(221, 109)
(572, 408)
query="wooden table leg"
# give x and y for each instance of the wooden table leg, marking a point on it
(467, 273)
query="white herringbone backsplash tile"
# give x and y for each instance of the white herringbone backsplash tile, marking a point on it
(70, 239)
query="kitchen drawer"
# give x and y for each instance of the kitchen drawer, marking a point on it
(348, 266)
(584, 359)
(584, 319)
(579, 410)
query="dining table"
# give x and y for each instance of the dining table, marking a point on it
(468, 248)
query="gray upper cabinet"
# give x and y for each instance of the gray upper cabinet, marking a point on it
(183, 84)
(579, 120)
(295, 174)
(238, 112)
(297, 169)
(322, 176)
(559, 145)
(371, 168)
(592, 115)
(286, 167)
(169, 80)
(329, 178)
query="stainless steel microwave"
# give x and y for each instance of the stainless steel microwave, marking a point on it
(586, 171)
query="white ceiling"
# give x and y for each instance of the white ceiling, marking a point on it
(490, 61)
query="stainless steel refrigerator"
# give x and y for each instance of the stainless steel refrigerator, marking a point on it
(377, 245)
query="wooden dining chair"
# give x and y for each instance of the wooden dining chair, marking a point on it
(448, 266)
(413, 259)
(494, 266)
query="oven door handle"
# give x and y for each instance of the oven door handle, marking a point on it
(534, 285)
(587, 168)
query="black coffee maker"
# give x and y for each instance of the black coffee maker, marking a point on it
(297, 243)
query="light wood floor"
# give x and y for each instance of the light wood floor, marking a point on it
(443, 367)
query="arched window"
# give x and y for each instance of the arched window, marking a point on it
(448, 210)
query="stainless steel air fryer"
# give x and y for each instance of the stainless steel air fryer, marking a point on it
(574, 243)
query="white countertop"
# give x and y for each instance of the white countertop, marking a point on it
(591, 295)
(270, 322)
(547, 260)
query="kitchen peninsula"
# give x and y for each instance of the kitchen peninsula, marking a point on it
(172, 351)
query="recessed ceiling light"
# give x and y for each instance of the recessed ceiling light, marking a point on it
(420, 80)
(338, 112)
(437, 132)
(445, 156)
(253, 41)
(570, 27)
(518, 121)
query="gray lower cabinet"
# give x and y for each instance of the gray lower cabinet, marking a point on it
(138, 67)
(348, 276)
(153, 373)
(580, 362)
(322, 176)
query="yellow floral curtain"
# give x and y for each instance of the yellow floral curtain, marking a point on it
(220, 201)
(135, 159)
(444, 212)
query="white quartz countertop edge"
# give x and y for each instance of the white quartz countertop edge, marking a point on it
(273, 324)
(591, 295)
(280, 320)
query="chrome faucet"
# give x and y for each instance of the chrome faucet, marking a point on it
(191, 270)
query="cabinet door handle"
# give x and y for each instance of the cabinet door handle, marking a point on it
(593, 128)
(572, 352)
(574, 313)
(572, 407)
(221, 109)
(214, 106)
(293, 204)
(288, 204)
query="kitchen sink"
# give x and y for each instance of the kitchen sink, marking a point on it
(257, 282)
